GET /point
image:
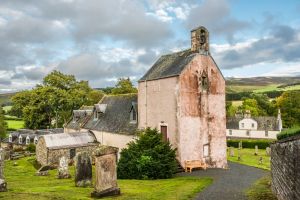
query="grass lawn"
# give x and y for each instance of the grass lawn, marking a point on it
(15, 124)
(261, 190)
(23, 184)
(248, 158)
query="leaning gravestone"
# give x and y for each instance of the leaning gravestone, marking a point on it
(43, 171)
(268, 151)
(106, 172)
(239, 155)
(256, 150)
(3, 184)
(83, 170)
(260, 161)
(231, 152)
(240, 145)
(63, 168)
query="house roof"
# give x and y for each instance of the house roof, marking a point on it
(169, 65)
(116, 118)
(172, 65)
(69, 139)
(263, 123)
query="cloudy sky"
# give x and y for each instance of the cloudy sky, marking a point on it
(102, 40)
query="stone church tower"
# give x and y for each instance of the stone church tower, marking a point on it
(183, 96)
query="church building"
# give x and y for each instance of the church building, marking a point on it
(183, 96)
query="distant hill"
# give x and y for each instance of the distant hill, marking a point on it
(262, 84)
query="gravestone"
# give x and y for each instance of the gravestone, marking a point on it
(83, 170)
(260, 161)
(256, 150)
(239, 155)
(63, 168)
(43, 171)
(240, 145)
(106, 172)
(231, 152)
(3, 184)
(268, 151)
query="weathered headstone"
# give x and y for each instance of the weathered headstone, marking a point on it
(256, 150)
(83, 170)
(231, 151)
(63, 168)
(3, 184)
(106, 172)
(239, 155)
(240, 145)
(43, 171)
(268, 151)
(260, 161)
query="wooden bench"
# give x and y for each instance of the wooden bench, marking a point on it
(191, 164)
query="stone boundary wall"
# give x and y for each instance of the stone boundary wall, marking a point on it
(285, 168)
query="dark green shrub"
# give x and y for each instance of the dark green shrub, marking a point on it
(31, 148)
(149, 157)
(289, 132)
(262, 144)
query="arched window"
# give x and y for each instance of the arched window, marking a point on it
(27, 140)
(35, 140)
(20, 139)
(10, 138)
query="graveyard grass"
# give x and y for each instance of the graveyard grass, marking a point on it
(248, 158)
(23, 184)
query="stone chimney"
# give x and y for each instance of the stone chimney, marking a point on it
(247, 114)
(200, 40)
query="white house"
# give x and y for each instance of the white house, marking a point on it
(253, 127)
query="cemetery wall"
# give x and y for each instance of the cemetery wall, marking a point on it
(285, 168)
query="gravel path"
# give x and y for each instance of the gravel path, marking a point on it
(228, 184)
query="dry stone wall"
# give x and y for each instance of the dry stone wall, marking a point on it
(285, 168)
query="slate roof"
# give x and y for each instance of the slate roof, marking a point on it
(169, 65)
(64, 140)
(116, 118)
(172, 65)
(80, 117)
(263, 123)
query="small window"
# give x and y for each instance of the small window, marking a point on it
(230, 132)
(10, 139)
(248, 133)
(252, 125)
(206, 150)
(27, 140)
(95, 115)
(243, 125)
(266, 134)
(20, 140)
(35, 140)
(72, 153)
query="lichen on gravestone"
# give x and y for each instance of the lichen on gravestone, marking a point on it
(83, 170)
(63, 168)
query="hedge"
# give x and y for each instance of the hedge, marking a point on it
(262, 144)
(289, 132)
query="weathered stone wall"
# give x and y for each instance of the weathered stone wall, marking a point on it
(285, 168)
(202, 120)
(47, 156)
(41, 151)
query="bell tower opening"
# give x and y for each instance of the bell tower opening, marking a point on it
(200, 40)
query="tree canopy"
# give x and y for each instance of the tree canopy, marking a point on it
(124, 86)
(3, 124)
(50, 104)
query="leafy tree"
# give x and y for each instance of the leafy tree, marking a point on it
(95, 96)
(149, 157)
(265, 106)
(251, 104)
(124, 86)
(3, 124)
(50, 104)
(289, 103)
(230, 109)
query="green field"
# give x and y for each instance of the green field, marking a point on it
(7, 108)
(248, 158)
(15, 124)
(23, 184)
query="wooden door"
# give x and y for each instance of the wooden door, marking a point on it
(164, 132)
